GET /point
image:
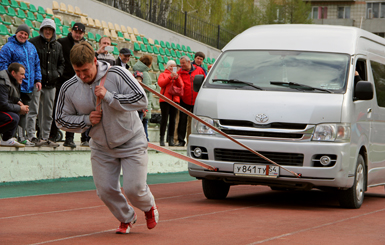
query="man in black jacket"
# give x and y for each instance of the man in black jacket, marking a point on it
(75, 36)
(124, 58)
(52, 67)
(10, 104)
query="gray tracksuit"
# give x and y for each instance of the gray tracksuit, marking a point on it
(117, 142)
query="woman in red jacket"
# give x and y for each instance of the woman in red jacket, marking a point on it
(165, 81)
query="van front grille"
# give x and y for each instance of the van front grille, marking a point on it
(282, 158)
(278, 125)
(262, 134)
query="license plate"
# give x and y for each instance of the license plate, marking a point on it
(256, 170)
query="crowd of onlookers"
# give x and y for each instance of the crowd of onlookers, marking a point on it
(32, 72)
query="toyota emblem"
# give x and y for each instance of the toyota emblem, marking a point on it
(261, 118)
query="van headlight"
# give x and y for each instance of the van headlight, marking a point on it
(200, 128)
(331, 132)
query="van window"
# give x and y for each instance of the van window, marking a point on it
(319, 70)
(378, 70)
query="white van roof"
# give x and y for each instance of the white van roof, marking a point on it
(319, 38)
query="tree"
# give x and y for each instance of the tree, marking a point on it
(285, 11)
(243, 14)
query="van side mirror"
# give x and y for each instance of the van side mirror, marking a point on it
(363, 91)
(197, 83)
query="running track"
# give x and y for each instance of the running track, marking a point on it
(250, 215)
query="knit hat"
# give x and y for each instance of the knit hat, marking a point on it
(23, 27)
(170, 62)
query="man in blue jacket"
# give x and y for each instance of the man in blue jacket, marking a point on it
(19, 49)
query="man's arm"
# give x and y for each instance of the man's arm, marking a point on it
(61, 61)
(130, 96)
(67, 118)
(4, 104)
(5, 57)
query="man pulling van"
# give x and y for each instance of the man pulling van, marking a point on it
(289, 92)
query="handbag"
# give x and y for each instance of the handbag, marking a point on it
(175, 90)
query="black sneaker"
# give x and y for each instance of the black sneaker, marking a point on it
(69, 143)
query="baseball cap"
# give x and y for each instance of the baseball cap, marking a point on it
(79, 27)
(125, 51)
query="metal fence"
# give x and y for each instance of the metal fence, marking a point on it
(181, 22)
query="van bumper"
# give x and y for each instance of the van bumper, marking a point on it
(340, 175)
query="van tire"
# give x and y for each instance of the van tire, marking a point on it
(215, 189)
(354, 196)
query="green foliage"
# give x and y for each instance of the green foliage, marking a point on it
(242, 14)
(285, 12)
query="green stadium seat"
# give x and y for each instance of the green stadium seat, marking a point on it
(21, 14)
(204, 66)
(184, 48)
(155, 67)
(136, 47)
(165, 59)
(58, 31)
(29, 24)
(145, 40)
(7, 20)
(11, 12)
(177, 62)
(114, 44)
(116, 51)
(2, 42)
(161, 51)
(208, 60)
(189, 49)
(35, 33)
(173, 46)
(4, 30)
(2, 10)
(31, 16)
(24, 6)
(212, 60)
(5, 3)
(66, 30)
(66, 23)
(14, 4)
(37, 25)
(168, 45)
(132, 61)
(72, 23)
(190, 56)
(173, 54)
(13, 30)
(162, 44)
(90, 36)
(139, 39)
(39, 17)
(183, 53)
(150, 49)
(57, 22)
(18, 21)
(178, 54)
(159, 59)
(143, 47)
(40, 10)
(161, 67)
(156, 42)
(178, 47)
(120, 34)
(97, 37)
(167, 52)
(156, 50)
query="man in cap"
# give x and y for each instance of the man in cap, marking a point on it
(124, 58)
(18, 49)
(74, 37)
(102, 53)
(52, 67)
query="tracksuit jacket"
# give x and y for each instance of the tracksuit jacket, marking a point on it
(9, 93)
(120, 121)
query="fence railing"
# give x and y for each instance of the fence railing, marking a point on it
(180, 22)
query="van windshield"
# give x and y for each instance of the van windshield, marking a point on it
(292, 71)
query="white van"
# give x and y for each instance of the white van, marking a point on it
(292, 93)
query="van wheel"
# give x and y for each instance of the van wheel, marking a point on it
(215, 189)
(354, 196)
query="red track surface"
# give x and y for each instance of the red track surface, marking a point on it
(250, 215)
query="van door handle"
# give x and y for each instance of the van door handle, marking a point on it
(369, 110)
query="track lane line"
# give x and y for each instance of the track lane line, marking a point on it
(316, 227)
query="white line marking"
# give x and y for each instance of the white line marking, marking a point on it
(169, 220)
(316, 227)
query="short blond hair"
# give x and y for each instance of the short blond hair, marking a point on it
(81, 54)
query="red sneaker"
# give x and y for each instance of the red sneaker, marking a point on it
(124, 228)
(152, 217)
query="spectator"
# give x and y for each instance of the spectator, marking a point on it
(198, 60)
(74, 37)
(102, 53)
(10, 103)
(143, 65)
(52, 67)
(124, 58)
(187, 73)
(118, 141)
(18, 49)
(165, 81)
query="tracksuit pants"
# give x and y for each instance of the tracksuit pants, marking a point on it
(107, 164)
(40, 106)
(8, 124)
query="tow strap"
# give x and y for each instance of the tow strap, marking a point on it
(213, 128)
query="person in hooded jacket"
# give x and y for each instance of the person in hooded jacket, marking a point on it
(52, 68)
(143, 65)
(165, 81)
(18, 49)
